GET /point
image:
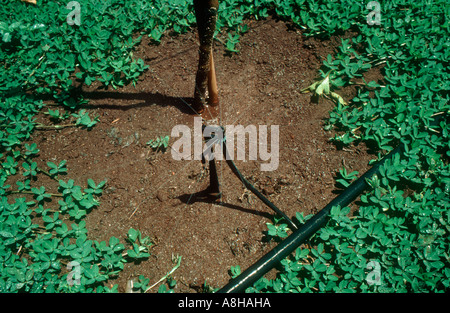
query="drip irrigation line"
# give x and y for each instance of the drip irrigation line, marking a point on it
(214, 184)
(287, 246)
(255, 191)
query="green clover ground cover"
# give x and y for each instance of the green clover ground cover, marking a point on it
(44, 242)
(397, 240)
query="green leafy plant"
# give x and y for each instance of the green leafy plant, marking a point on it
(44, 251)
(397, 240)
(322, 88)
(84, 120)
(140, 246)
(235, 271)
(386, 244)
(93, 188)
(57, 169)
(346, 178)
(142, 284)
(56, 115)
(277, 229)
(159, 144)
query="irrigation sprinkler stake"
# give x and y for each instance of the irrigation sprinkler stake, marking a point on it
(213, 190)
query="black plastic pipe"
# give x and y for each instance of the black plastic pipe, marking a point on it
(256, 192)
(287, 246)
(214, 189)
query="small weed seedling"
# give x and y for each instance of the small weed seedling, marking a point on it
(159, 144)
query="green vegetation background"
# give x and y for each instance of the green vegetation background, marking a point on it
(398, 240)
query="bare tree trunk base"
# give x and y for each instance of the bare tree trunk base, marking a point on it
(213, 99)
(205, 80)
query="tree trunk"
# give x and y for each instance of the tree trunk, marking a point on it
(206, 15)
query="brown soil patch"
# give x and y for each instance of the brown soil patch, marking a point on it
(148, 191)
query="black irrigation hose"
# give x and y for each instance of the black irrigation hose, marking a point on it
(215, 186)
(250, 187)
(287, 246)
